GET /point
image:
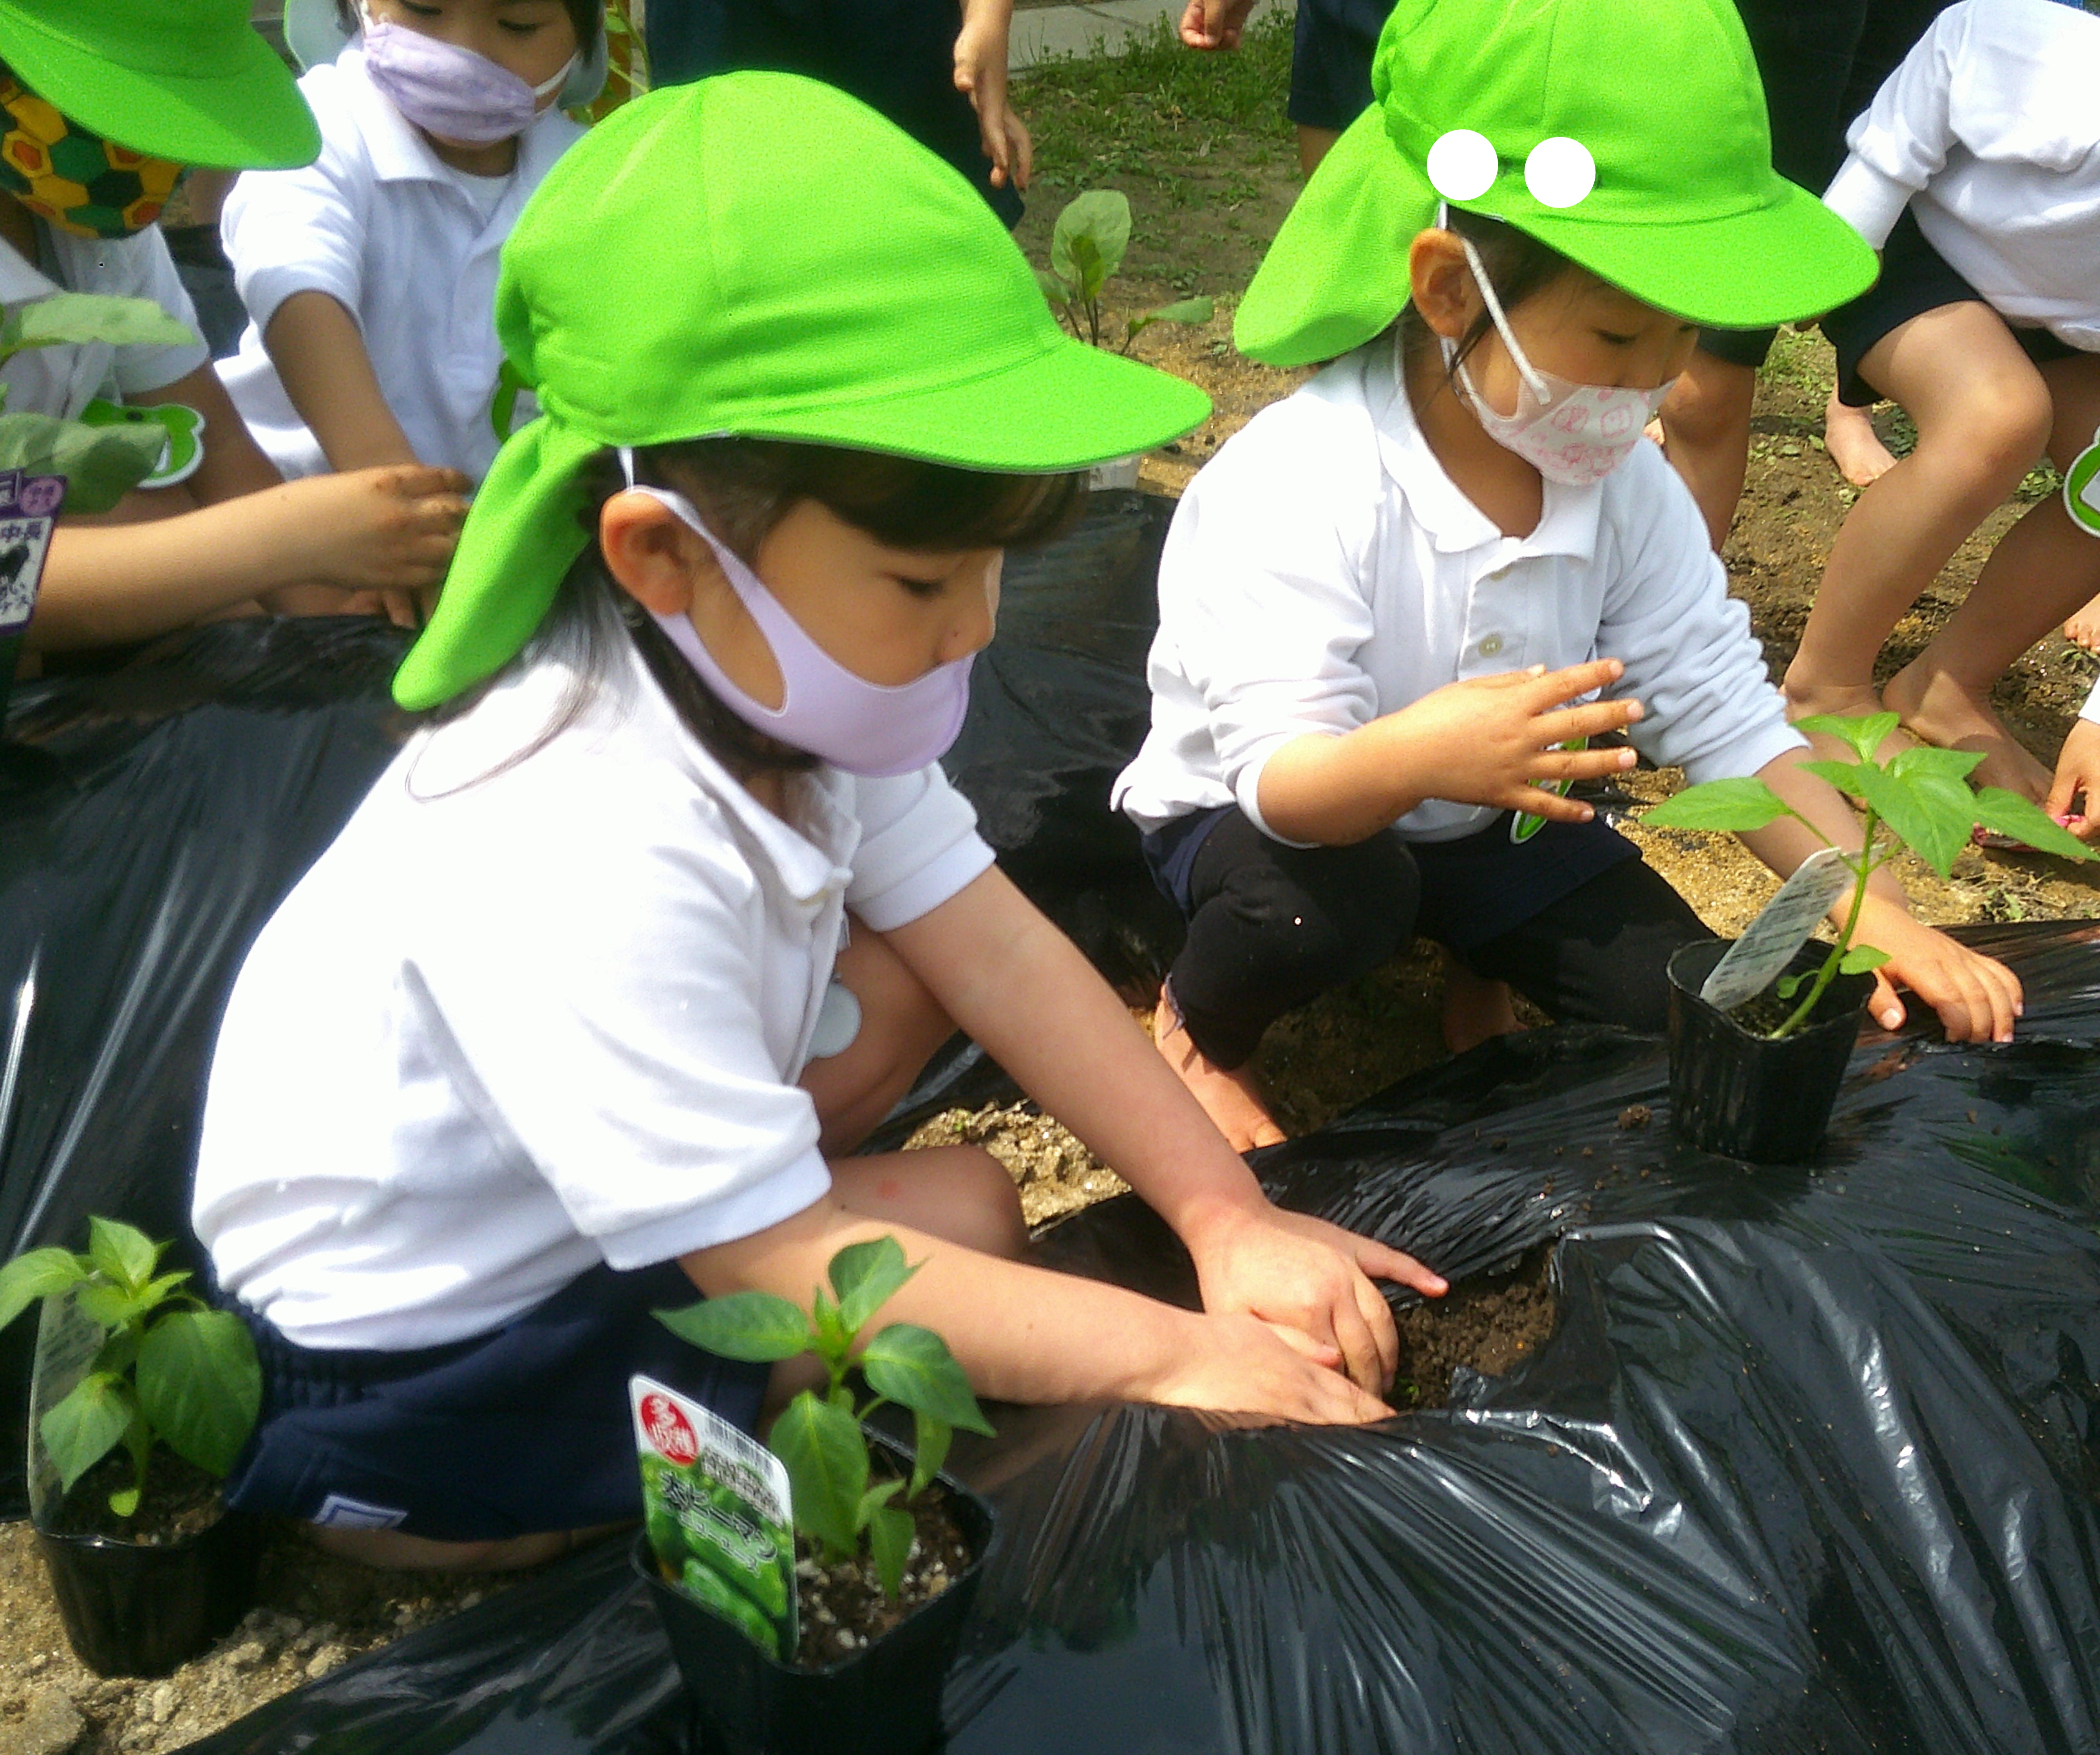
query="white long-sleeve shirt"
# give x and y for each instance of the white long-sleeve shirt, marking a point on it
(1990, 132)
(406, 244)
(1323, 570)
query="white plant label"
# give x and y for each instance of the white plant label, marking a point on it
(1782, 927)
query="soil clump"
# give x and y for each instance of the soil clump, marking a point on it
(1489, 1325)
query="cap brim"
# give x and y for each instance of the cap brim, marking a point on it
(248, 116)
(1067, 408)
(1791, 259)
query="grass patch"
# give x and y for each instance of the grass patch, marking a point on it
(1159, 107)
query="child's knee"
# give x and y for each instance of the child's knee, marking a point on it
(989, 1208)
(2004, 426)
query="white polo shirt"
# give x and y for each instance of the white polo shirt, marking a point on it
(509, 1027)
(1990, 132)
(1322, 571)
(406, 244)
(64, 380)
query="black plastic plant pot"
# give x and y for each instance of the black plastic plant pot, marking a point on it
(134, 1610)
(1741, 1094)
(884, 1699)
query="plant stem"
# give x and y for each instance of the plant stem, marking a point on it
(1829, 972)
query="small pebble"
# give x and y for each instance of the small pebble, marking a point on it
(1635, 1115)
(37, 1663)
(327, 1658)
(807, 1571)
(51, 1725)
(250, 1655)
(824, 1617)
(160, 1703)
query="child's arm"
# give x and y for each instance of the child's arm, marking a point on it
(1488, 740)
(1976, 997)
(318, 351)
(2078, 773)
(1024, 1334)
(980, 57)
(375, 529)
(1017, 985)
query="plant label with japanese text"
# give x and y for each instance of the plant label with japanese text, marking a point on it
(1782, 927)
(719, 1514)
(29, 509)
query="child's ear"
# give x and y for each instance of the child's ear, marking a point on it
(1441, 283)
(652, 556)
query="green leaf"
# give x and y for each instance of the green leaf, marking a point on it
(833, 1339)
(87, 1424)
(826, 1461)
(1054, 289)
(199, 1386)
(36, 1274)
(874, 1499)
(1100, 219)
(1737, 806)
(100, 464)
(1844, 775)
(889, 1540)
(930, 1449)
(1183, 311)
(867, 1276)
(1930, 814)
(756, 1327)
(1788, 985)
(1093, 271)
(912, 1366)
(1923, 759)
(124, 1254)
(2008, 813)
(124, 1501)
(73, 318)
(1861, 959)
(1864, 733)
(111, 1306)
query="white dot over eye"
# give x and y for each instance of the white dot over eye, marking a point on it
(1463, 165)
(1559, 172)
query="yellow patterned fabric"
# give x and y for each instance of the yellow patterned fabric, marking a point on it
(74, 179)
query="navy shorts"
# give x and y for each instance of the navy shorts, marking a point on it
(525, 1429)
(1331, 60)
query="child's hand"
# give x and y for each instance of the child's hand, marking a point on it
(1978, 999)
(1492, 740)
(2078, 781)
(1240, 1365)
(390, 530)
(981, 56)
(1214, 23)
(1314, 1279)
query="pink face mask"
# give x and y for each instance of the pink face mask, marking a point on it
(449, 91)
(1572, 433)
(862, 727)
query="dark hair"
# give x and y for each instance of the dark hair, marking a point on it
(743, 487)
(1516, 261)
(583, 16)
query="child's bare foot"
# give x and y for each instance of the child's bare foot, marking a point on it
(1843, 701)
(1232, 1099)
(1854, 446)
(1475, 1007)
(2083, 628)
(1941, 711)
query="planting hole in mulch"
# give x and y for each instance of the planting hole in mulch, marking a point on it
(1491, 1324)
(842, 1606)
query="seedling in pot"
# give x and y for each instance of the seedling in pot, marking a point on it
(818, 1435)
(1919, 798)
(170, 1371)
(1087, 247)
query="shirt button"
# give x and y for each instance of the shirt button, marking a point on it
(1491, 645)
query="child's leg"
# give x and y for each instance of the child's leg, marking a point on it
(2041, 571)
(1982, 417)
(2082, 626)
(1270, 927)
(1706, 431)
(959, 1192)
(1598, 954)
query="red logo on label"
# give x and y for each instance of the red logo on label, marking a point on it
(668, 1430)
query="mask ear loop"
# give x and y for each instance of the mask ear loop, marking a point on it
(1517, 355)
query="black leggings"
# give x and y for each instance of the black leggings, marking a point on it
(1272, 927)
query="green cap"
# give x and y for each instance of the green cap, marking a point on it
(1630, 135)
(186, 80)
(763, 255)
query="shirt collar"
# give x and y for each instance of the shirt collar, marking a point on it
(1567, 525)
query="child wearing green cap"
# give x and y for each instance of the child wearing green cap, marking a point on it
(102, 101)
(1386, 603)
(599, 989)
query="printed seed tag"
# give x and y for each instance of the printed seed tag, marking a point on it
(1782, 927)
(719, 1514)
(28, 508)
